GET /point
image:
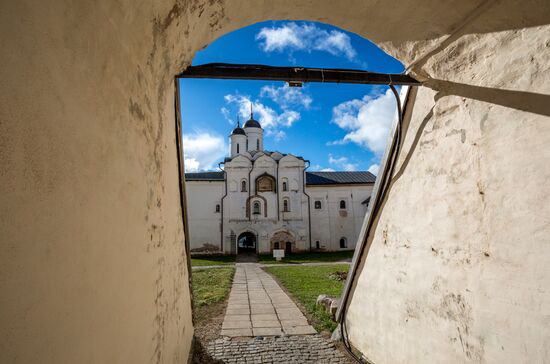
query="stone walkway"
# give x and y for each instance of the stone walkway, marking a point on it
(273, 265)
(283, 349)
(257, 306)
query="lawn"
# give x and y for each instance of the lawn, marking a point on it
(295, 258)
(211, 285)
(198, 261)
(306, 283)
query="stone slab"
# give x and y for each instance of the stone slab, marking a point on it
(295, 322)
(264, 317)
(236, 332)
(236, 324)
(299, 330)
(229, 317)
(272, 323)
(267, 331)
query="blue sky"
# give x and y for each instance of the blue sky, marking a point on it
(335, 126)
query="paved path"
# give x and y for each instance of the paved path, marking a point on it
(257, 306)
(273, 265)
(283, 349)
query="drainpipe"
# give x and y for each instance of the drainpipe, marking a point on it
(277, 191)
(308, 204)
(249, 191)
(223, 197)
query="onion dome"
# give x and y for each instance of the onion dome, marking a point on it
(251, 123)
(238, 130)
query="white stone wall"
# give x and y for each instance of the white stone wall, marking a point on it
(255, 138)
(458, 269)
(204, 221)
(236, 221)
(330, 223)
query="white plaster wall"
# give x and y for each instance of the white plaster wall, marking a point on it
(237, 139)
(204, 221)
(458, 269)
(254, 136)
(235, 219)
(330, 223)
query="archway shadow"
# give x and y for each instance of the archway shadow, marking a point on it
(519, 100)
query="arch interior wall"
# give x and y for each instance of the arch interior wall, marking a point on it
(94, 256)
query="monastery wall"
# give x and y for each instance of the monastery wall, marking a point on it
(331, 223)
(204, 221)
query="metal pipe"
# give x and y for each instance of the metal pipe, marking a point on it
(223, 197)
(295, 75)
(304, 177)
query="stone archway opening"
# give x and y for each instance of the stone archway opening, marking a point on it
(247, 243)
(485, 116)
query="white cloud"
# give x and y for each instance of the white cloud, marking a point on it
(327, 170)
(203, 151)
(374, 169)
(368, 121)
(269, 118)
(342, 163)
(287, 96)
(305, 37)
(278, 135)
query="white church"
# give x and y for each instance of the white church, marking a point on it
(263, 200)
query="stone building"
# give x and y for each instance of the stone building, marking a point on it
(266, 200)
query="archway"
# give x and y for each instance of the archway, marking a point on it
(246, 243)
(283, 240)
(75, 117)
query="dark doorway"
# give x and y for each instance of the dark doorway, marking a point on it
(288, 247)
(246, 243)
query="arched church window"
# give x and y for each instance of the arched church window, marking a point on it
(217, 207)
(285, 186)
(243, 186)
(317, 205)
(343, 243)
(342, 204)
(256, 208)
(257, 144)
(286, 205)
(237, 148)
(265, 183)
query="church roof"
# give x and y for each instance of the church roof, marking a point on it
(238, 130)
(335, 178)
(312, 178)
(251, 123)
(204, 176)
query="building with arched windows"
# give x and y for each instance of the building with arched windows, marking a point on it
(264, 200)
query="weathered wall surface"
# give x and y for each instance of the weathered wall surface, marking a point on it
(458, 270)
(93, 264)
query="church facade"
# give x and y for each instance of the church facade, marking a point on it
(262, 200)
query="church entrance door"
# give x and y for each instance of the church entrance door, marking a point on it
(288, 247)
(246, 243)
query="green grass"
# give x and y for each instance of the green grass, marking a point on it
(211, 285)
(198, 261)
(306, 283)
(295, 258)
